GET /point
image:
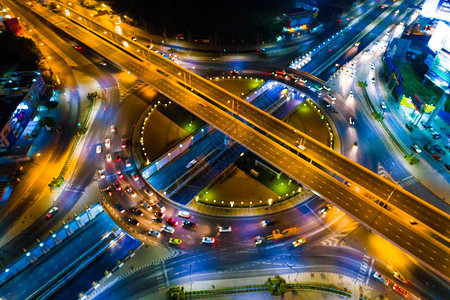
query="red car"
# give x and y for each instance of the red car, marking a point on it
(400, 290)
(172, 221)
(118, 157)
(119, 174)
(117, 185)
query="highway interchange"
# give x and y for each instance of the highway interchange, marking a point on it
(308, 174)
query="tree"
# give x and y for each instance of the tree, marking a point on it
(362, 84)
(52, 6)
(51, 104)
(92, 96)
(47, 121)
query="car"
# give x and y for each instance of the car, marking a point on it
(323, 210)
(326, 88)
(101, 174)
(147, 206)
(303, 80)
(372, 80)
(51, 212)
(124, 143)
(326, 104)
(133, 38)
(234, 72)
(357, 44)
(160, 207)
(154, 233)
(189, 225)
(113, 128)
(109, 191)
(299, 242)
(168, 229)
(436, 135)
(425, 125)
(118, 157)
(412, 222)
(366, 52)
(173, 241)
(108, 143)
(119, 174)
(438, 149)
(191, 163)
(266, 223)
(184, 214)
(134, 176)
(437, 157)
(350, 94)
(208, 240)
(372, 66)
(381, 278)
(427, 148)
(351, 121)
(159, 214)
(225, 229)
(125, 43)
(103, 63)
(149, 47)
(400, 290)
(130, 191)
(333, 98)
(355, 145)
(383, 105)
(98, 149)
(119, 208)
(157, 220)
(409, 127)
(108, 157)
(416, 148)
(352, 74)
(172, 221)
(137, 211)
(399, 277)
(258, 240)
(447, 166)
(148, 192)
(117, 186)
(202, 104)
(133, 221)
(127, 163)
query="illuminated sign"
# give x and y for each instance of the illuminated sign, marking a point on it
(440, 38)
(436, 9)
(439, 72)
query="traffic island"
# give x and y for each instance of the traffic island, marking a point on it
(289, 286)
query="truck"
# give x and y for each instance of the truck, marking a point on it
(276, 235)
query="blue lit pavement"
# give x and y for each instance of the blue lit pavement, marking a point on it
(71, 256)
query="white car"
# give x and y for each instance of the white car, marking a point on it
(134, 176)
(125, 43)
(383, 105)
(130, 191)
(98, 149)
(154, 233)
(148, 192)
(372, 80)
(101, 173)
(147, 206)
(108, 157)
(108, 143)
(381, 278)
(372, 66)
(113, 128)
(127, 163)
(326, 88)
(168, 229)
(191, 163)
(184, 214)
(332, 97)
(225, 229)
(416, 148)
(208, 240)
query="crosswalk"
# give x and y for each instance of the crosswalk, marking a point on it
(348, 225)
(364, 268)
(76, 188)
(407, 181)
(385, 174)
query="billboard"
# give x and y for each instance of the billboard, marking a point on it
(436, 9)
(439, 72)
(440, 38)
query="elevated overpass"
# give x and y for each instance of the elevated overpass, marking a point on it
(166, 77)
